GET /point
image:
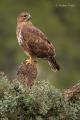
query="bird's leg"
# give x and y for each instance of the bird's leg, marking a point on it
(29, 61)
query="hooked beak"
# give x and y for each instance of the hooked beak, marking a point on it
(29, 17)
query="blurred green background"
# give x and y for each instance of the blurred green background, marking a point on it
(60, 21)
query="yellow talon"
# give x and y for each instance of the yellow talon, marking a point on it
(29, 61)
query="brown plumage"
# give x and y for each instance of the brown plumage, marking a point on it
(34, 42)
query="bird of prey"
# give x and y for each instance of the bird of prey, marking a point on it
(34, 42)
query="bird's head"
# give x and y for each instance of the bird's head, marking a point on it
(24, 17)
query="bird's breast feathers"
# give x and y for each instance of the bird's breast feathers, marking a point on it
(20, 38)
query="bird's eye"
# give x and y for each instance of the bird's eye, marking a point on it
(25, 15)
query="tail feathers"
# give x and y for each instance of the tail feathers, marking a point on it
(53, 63)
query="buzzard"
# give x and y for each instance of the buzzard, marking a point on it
(34, 42)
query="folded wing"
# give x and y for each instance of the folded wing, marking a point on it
(37, 42)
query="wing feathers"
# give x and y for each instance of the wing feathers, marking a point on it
(37, 42)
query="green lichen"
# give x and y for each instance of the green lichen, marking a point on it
(41, 102)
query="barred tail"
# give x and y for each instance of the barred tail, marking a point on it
(54, 65)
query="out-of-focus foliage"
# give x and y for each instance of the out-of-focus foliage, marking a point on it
(41, 102)
(60, 20)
